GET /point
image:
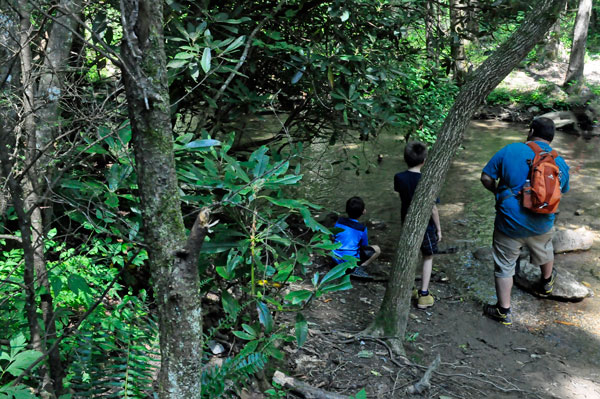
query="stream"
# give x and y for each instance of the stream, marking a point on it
(467, 217)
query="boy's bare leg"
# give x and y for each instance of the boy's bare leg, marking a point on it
(373, 257)
(503, 289)
(426, 274)
(546, 269)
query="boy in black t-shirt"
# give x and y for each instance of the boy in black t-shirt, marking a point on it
(405, 184)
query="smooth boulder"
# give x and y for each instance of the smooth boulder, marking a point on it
(572, 240)
(566, 287)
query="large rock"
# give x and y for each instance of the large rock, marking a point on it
(566, 288)
(565, 120)
(572, 240)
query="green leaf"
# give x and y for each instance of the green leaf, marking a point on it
(202, 143)
(206, 58)
(362, 394)
(237, 43)
(250, 330)
(177, 63)
(22, 361)
(264, 316)
(17, 344)
(301, 329)
(230, 304)
(286, 180)
(262, 160)
(342, 286)
(222, 271)
(296, 297)
(336, 272)
(243, 335)
(249, 348)
(77, 284)
(184, 56)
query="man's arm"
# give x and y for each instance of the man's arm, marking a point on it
(488, 182)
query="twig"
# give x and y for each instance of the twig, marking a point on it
(246, 50)
(10, 237)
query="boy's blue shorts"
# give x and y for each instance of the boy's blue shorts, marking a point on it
(430, 241)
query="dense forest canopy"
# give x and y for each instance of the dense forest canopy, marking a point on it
(118, 113)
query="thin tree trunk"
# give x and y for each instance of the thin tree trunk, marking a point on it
(24, 197)
(173, 266)
(40, 127)
(574, 76)
(431, 39)
(457, 40)
(391, 319)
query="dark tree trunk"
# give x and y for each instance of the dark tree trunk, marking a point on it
(390, 321)
(173, 263)
(457, 40)
(574, 76)
(431, 38)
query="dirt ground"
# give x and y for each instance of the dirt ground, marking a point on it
(479, 357)
(552, 350)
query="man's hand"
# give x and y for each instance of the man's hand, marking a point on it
(488, 182)
(439, 234)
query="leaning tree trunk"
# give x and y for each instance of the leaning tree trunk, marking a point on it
(173, 263)
(574, 76)
(391, 319)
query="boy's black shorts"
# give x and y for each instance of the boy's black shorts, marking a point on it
(365, 253)
(430, 241)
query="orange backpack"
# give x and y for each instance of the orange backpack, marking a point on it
(541, 192)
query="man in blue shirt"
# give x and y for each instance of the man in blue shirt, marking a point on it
(515, 226)
(354, 239)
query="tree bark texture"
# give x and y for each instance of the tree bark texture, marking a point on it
(431, 39)
(25, 200)
(574, 76)
(457, 40)
(173, 262)
(392, 316)
(41, 121)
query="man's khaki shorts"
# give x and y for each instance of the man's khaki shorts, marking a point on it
(506, 251)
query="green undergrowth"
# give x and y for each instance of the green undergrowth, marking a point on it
(542, 97)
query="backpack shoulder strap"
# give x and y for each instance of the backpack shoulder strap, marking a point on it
(534, 146)
(537, 149)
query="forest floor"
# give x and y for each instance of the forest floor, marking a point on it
(552, 350)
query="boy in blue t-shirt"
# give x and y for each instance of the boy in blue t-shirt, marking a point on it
(353, 238)
(405, 183)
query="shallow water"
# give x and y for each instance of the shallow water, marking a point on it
(467, 210)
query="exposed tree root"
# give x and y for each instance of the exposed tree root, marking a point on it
(302, 388)
(424, 384)
(376, 332)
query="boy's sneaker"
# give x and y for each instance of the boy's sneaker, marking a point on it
(494, 313)
(359, 272)
(425, 301)
(546, 287)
